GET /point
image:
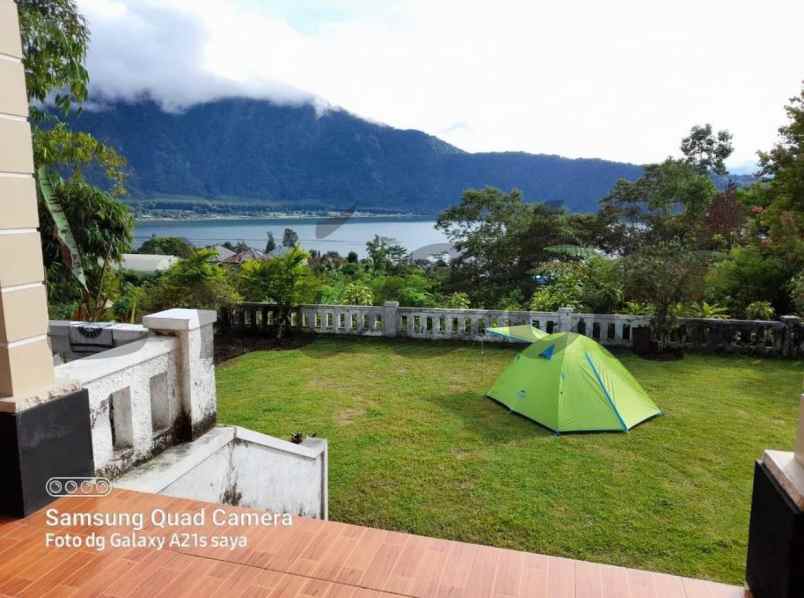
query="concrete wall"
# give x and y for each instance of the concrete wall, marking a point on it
(233, 465)
(119, 382)
(151, 393)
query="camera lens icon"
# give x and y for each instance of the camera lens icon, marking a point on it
(61, 487)
(54, 487)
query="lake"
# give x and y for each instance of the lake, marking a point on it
(320, 234)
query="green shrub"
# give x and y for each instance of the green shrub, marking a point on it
(796, 286)
(458, 301)
(759, 310)
(702, 309)
(356, 293)
(194, 282)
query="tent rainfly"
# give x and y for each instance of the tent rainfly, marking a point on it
(567, 382)
(524, 333)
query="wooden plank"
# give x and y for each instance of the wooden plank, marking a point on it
(333, 562)
(534, 577)
(614, 582)
(510, 567)
(358, 562)
(428, 572)
(668, 586)
(483, 572)
(641, 583)
(380, 567)
(458, 567)
(588, 580)
(560, 577)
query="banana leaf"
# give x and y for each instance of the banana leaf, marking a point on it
(47, 182)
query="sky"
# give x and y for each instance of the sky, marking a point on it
(618, 80)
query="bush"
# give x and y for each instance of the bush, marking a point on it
(747, 275)
(195, 283)
(594, 285)
(796, 286)
(564, 289)
(637, 308)
(167, 246)
(759, 310)
(285, 280)
(702, 309)
(458, 301)
(356, 293)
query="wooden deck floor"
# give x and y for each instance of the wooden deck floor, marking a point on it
(310, 559)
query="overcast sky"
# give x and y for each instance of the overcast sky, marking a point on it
(615, 80)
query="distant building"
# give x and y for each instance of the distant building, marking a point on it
(146, 263)
(222, 252)
(244, 256)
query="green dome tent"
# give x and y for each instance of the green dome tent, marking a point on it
(569, 383)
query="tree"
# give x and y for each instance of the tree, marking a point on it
(706, 151)
(54, 45)
(671, 199)
(352, 257)
(385, 254)
(102, 233)
(782, 169)
(666, 203)
(500, 239)
(270, 244)
(770, 248)
(664, 275)
(167, 246)
(290, 238)
(195, 283)
(285, 280)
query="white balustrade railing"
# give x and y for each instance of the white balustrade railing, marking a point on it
(784, 337)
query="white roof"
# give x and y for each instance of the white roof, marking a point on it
(146, 262)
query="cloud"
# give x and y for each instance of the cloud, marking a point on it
(160, 49)
(616, 80)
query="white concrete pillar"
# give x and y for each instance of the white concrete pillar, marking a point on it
(194, 330)
(390, 318)
(800, 437)
(564, 319)
(26, 363)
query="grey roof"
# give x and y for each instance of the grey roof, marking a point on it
(223, 252)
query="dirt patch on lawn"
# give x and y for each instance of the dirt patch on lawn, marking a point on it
(347, 416)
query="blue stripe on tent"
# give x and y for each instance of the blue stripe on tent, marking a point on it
(548, 352)
(605, 392)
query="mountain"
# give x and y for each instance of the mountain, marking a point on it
(291, 156)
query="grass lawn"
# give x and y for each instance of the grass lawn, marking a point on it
(415, 446)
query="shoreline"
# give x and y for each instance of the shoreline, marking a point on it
(287, 219)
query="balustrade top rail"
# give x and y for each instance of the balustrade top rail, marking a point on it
(784, 337)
